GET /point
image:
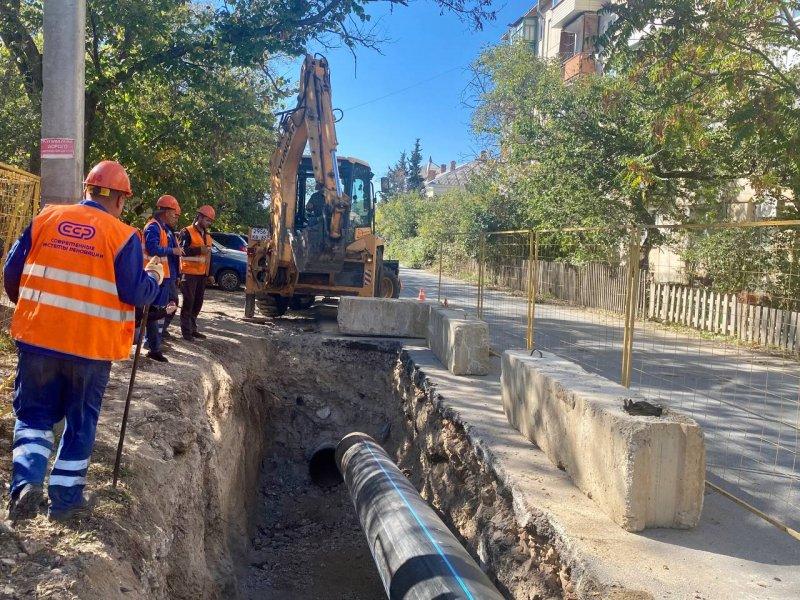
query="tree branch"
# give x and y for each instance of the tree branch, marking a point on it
(95, 44)
(793, 27)
(23, 48)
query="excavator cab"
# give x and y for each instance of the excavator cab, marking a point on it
(356, 181)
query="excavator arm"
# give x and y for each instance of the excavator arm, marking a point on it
(311, 121)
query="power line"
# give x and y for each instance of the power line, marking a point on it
(400, 91)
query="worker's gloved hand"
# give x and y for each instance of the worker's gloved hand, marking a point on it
(178, 251)
(171, 308)
(155, 269)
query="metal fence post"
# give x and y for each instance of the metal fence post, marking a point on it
(439, 291)
(533, 270)
(481, 267)
(631, 301)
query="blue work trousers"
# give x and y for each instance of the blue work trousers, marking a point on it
(153, 330)
(48, 389)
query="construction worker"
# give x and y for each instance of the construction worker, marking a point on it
(172, 285)
(159, 241)
(195, 265)
(75, 275)
(316, 203)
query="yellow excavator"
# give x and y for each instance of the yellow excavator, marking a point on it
(321, 236)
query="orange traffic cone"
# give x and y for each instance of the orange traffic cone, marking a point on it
(421, 296)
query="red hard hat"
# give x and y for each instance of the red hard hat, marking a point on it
(207, 211)
(111, 175)
(167, 201)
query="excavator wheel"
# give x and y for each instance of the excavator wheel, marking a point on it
(273, 306)
(301, 302)
(390, 284)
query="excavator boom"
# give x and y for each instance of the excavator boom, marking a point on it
(312, 122)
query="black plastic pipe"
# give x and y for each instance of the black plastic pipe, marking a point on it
(416, 555)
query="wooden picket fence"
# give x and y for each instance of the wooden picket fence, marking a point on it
(601, 286)
(725, 314)
(592, 285)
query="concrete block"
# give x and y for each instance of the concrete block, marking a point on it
(460, 342)
(383, 317)
(642, 471)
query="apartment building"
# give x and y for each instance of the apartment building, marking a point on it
(565, 30)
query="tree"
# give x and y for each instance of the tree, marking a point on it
(597, 151)
(396, 178)
(732, 64)
(414, 180)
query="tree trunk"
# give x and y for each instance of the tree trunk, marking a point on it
(90, 124)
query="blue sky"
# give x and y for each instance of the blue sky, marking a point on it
(424, 45)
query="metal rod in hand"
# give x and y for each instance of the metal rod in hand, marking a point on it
(142, 327)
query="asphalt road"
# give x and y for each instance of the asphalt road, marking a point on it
(748, 403)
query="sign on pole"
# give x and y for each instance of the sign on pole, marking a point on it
(58, 148)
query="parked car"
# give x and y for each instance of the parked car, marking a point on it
(233, 241)
(228, 267)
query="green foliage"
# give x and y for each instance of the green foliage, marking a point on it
(593, 152)
(730, 260)
(415, 227)
(396, 178)
(763, 260)
(225, 122)
(724, 75)
(19, 123)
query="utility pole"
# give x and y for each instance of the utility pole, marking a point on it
(63, 73)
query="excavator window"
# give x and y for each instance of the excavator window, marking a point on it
(360, 207)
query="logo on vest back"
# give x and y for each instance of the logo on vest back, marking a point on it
(76, 230)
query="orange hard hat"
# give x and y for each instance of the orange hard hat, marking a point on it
(167, 201)
(109, 175)
(207, 211)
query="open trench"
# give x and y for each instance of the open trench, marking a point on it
(305, 540)
(233, 491)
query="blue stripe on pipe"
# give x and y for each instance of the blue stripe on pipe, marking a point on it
(436, 545)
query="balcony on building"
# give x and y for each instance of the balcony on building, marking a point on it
(577, 65)
(577, 45)
(565, 11)
(525, 28)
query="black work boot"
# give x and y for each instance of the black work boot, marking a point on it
(198, 335)
(76, 511)
(157, 356)
(26, 504)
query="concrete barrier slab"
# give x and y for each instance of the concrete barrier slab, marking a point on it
(643, 471)
(383, 317)
(460, 342)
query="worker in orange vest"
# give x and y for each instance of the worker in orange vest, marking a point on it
(195, 265)
(75, 275)
(160, 241)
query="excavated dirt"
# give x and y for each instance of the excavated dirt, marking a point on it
(221, 496)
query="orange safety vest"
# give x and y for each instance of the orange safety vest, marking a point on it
(200, 264)
(68, 299)
(163, 240)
